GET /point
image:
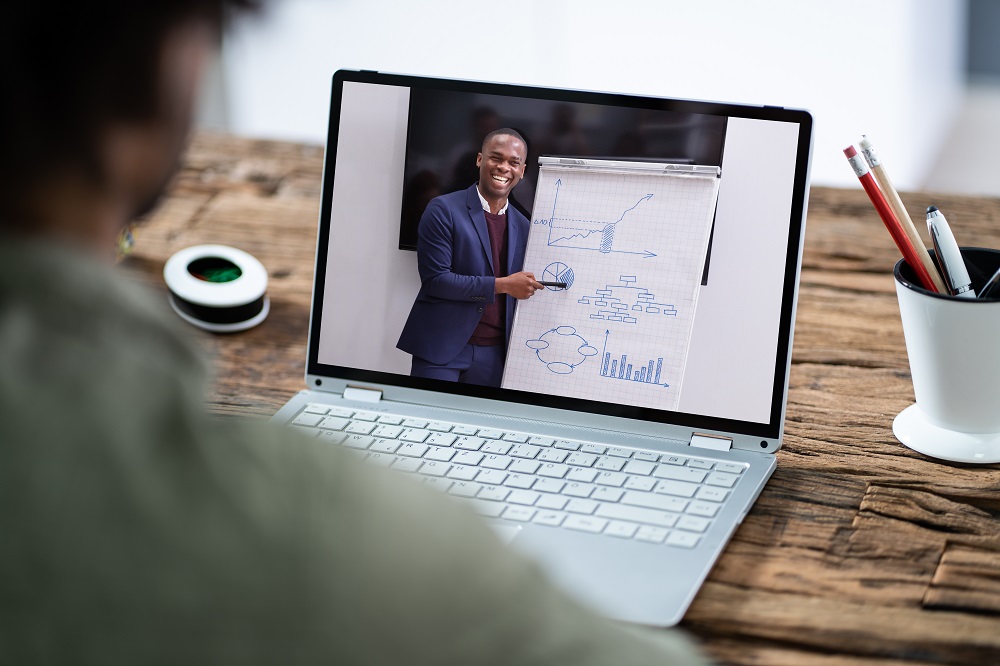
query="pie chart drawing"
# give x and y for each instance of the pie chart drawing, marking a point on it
(558, 272)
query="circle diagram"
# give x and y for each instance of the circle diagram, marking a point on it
(561, 349)
(557, 271)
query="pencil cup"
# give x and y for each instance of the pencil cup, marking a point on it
(953, 345)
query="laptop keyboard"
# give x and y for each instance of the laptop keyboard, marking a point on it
(525, 478)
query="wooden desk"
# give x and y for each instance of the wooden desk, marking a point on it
(858, 551)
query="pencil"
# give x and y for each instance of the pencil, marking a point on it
(889, 218)
(882, 178)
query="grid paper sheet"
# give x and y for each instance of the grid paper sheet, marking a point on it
(631, 247)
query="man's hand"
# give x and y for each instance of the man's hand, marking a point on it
(519, 285)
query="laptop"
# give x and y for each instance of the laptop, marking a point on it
(643, 392)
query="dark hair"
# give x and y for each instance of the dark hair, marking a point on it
(505, 131)
(69, 72)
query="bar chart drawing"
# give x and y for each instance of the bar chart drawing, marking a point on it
(649, 372)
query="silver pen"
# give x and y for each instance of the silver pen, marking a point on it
(949, 257)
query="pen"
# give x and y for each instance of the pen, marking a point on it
(560, 285)
(892, 197)
(949, 257)
(987, 290)
(888, 218)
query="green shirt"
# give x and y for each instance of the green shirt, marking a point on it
(137, 529)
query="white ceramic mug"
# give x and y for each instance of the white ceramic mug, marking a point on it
(953, 345)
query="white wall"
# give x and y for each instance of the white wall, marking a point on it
(892, 69)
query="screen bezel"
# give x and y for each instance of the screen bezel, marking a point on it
(772, 429)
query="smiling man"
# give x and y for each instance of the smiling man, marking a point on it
(470, 252)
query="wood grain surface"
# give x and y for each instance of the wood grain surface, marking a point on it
(858, 551)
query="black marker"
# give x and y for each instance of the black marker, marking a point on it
(559, 285)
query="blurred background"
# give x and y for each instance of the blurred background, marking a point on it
(920, 77)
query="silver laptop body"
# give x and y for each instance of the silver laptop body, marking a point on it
(671, 396)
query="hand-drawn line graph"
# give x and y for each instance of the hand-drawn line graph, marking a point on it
(623, 302)
(557, 271)
(561, 349)
(620, 368)
(587, 234)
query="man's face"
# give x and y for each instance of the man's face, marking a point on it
(501, 166)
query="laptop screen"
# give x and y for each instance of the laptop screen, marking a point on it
(667, 234)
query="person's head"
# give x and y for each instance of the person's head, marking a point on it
(99, 98)
(501, 163)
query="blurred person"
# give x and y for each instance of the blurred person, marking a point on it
(136, 528)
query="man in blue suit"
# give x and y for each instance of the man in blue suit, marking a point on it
(470, 251)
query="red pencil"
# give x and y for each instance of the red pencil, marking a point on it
(889, 218)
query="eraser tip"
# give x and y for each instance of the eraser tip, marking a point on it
(850, 151)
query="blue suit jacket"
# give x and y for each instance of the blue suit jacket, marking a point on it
(456, 275)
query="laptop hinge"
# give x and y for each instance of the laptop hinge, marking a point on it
(713, 442)
(362, 394)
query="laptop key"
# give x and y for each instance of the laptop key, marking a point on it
(366, 416)
(596, 449)
(490, 433)
(387, 431)
(434, 468)
(440, 453)
(566, 445)
(578, 490)
(465, 430)
(730, 468)
(493, 493)
(360, 442)
(496, 447)
(523, 481)
(637, 515)
(605, 494)
(414, 435)
(521, 514)
(360, 427)
(465, 489)
(390, 419)
(582, 459)
(555, 502)
(491, 476)
(693, 523)
(463, 472)
(494, 461)
(553, 470)
(679, 473)
(612, 464)
(581, 506)
(582, 474)
(541, 441)
(550, 518)
(524, 451)
(621, 529)
(334, 423)
(516, 437)
(700, 508)
(469, 443)
(552, 455)
(439, 426)
(615, 479)
(307, 419)
(651, 534)
(682, 539)
(701, 464)
(646, 456)
(412, 450)
(316, 408)
(639, 467)
(440, 439)
(385, 445)
(407, 464)
(522, 466)
(711, 494)
(619, 452)
(526, 497)
(415, 423)
(641, 483)
(467, 458)
(721, 479)
(651, 501)
(585, 524)
(549, 485)
(678, 488)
